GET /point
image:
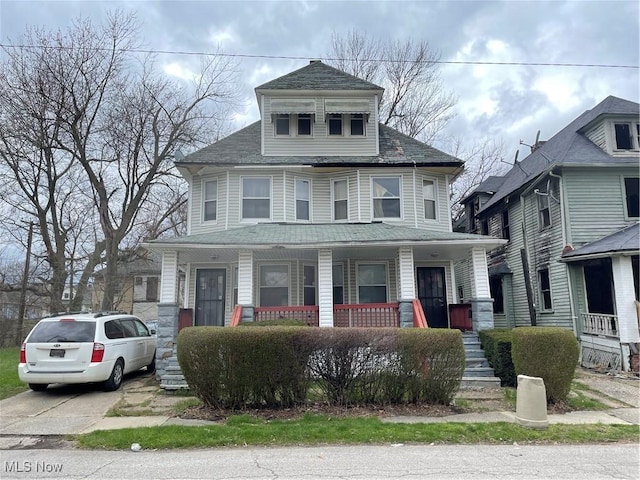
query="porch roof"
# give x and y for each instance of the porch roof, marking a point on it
(625, 240)
(286, 235)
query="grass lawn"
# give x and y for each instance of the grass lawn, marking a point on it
(10, 384)
(244, 430)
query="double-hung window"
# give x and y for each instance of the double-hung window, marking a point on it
(357, 125)
(386, 197)
(631, 190)
(544, 285)
(256, 197)
(338, 284)
(624, 140)
(429, 195)
(210, 200)
(303, 199)
(309, 294)
(335, 124)
(340, 199)
(544, 213)
(282, 124)
(304, 124)
(372, 283)
(274, 285)
(506, 232)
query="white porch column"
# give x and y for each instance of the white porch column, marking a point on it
(481, 301)
(325, 287)
(169, 278)
(245, 284)
(625, 307)
(406, 285)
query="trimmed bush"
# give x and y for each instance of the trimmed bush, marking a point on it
(547, 352)
(497, 348)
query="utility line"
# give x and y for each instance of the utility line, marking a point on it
(286, 57)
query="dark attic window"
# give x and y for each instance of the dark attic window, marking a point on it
(623, 136)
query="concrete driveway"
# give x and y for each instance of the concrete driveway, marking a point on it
(60, 410)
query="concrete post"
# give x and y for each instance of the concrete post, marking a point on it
(167, 332)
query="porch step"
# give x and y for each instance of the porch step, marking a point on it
(173, 378)
(477, 372)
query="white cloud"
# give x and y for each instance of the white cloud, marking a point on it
(176, 70)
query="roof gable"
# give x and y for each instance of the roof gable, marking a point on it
(318, 76)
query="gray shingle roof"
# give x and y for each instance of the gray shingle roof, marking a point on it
(318, 76)
(269, 234)
(567, 147)
(243, 148)
(625, 240)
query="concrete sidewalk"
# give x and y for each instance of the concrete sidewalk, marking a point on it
(143, 404)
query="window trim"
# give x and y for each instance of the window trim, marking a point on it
(335, 116)
(623, 181)
(541, 306)
(434, 199)
(296, 199)
(374, 198)
(334, 199)
(387, 283)
(505, 228)
(204, 200)
(280, 116)
(541, 208)
(242, 198)
(260, 286)
(358, 116)
(299, 117)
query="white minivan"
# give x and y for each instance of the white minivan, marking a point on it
(86, 348)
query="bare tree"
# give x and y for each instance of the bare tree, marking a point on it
(415, 101)
(109, 115)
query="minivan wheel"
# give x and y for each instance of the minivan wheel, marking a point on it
(152, 365)
(115, 379)
(38, 387)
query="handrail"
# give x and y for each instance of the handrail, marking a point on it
(419, 319)
(237, 315)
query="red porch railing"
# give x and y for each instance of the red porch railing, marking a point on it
(306, 313)
(366, 315)
(419, 320)
(236, 316)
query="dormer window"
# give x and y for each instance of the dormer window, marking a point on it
(282, 124)
(335, 124)
(357, 124)
(304, 124)
(627, 136)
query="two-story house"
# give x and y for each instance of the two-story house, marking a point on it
(318, 212)
(570, 213)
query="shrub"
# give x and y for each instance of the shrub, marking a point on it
(237, 367)
(497, 348)
(547, 352)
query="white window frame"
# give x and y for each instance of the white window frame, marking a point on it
(434, 199)
(296, 199)
(634, 135)
(260, 286)
(205, 200)
(359, 284)
(282, 116)
(363, 118)
(623, 181)
(335, 116)
(299, 117)
(242, 198)
(542, 203)
(334, 199)
(374, 197)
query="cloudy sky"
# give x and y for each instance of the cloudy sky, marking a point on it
(506, 103)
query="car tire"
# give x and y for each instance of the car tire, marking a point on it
(115, 379)
(38, 387)
(152, 365)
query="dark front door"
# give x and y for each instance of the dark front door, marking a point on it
(432, 293)
(210, 294)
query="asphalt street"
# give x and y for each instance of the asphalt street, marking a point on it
(406, 462)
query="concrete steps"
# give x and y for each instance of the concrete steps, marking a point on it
(173, 379)
(478, 373)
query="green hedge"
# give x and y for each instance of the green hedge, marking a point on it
(497, 348)
(276, 366)
(547, 352)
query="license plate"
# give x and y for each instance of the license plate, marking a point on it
(57, 352)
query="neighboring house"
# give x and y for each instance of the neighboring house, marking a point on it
(137, 288)
(68, 294)
(570, 213)
(319, 212)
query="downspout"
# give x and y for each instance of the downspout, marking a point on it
(563, 221)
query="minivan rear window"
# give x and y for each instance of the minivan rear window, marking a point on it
(52, 332)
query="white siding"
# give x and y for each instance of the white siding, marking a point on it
(598, 136)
